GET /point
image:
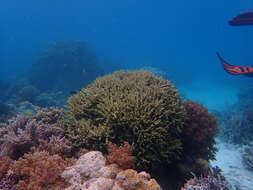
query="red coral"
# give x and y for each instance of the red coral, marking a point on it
(199, 131)
(40, 170)
(122, 155)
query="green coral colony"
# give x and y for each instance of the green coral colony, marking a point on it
(130, 106)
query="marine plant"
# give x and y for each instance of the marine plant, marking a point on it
(133, 106)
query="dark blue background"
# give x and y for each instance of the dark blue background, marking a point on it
(179, 37)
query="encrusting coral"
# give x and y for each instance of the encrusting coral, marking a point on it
(133, 106)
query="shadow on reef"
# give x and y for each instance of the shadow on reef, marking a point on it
(65, 66)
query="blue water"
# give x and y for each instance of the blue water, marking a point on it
(178, 37)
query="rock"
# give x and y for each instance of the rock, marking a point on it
(130, 179)
(91, 173)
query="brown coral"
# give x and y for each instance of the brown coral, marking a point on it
(5, 164)
(199, 131)
(122, 155)
(39, 170)
(56, 145)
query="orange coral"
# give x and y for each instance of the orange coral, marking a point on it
(40, 170)
(122, 155)
(5, 164)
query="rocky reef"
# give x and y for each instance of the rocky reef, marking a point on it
(65, 66)
(91, 172)
(110, 133)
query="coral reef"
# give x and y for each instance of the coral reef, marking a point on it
(28, 93)
(199, 131)
(91, 172)
(122, 156)
(9, 182)
(25, 132)
(49, 99)
(6, 112)
(65, 66)
(236, 125)
(40, 170)
(5, 164)
(129, 106)
(247, 156)
(212, 182)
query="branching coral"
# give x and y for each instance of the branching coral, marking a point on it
(9, 182)
(5, 164)
(39, 170)
(6, 112)
(56, 145)
(25, 132)
(199, 131)
(247, 156)
(129, 106)
(213, 182)
(122, 155)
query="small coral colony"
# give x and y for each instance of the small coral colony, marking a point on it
(126, 130)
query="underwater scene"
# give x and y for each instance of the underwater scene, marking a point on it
(126, 95)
